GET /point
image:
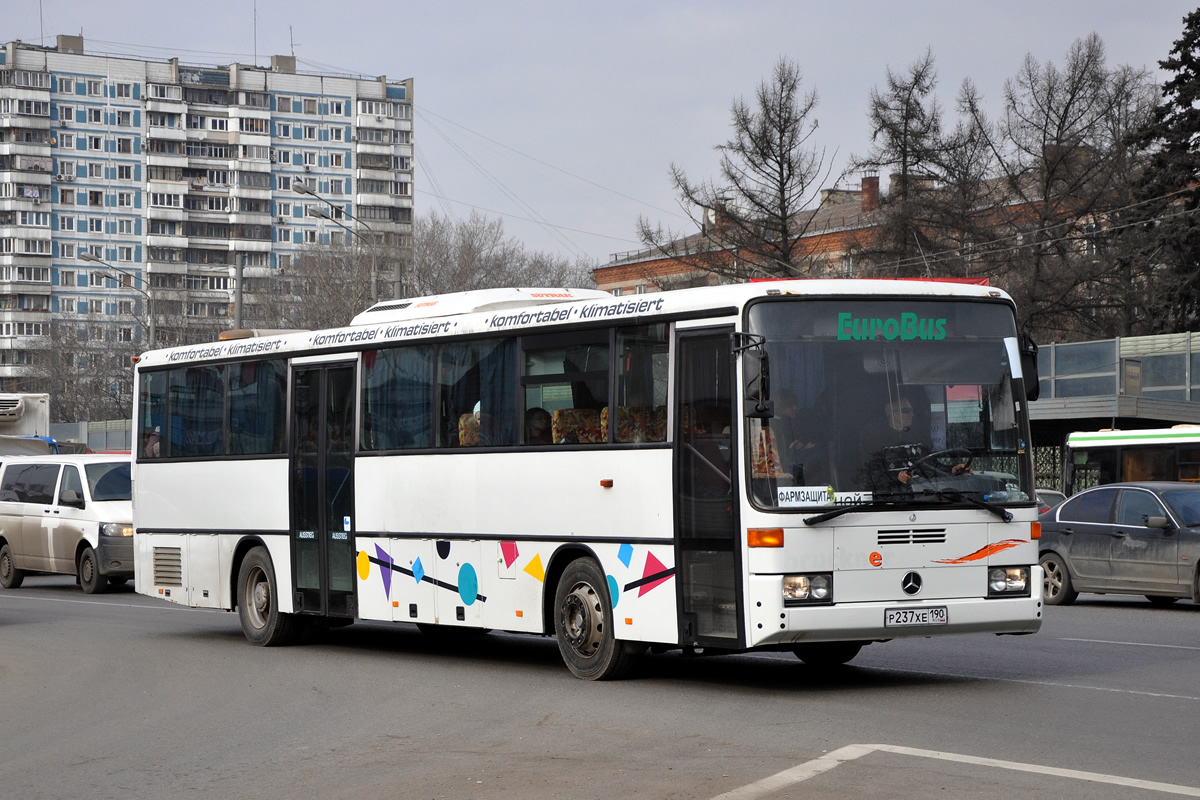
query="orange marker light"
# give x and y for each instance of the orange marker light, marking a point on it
(1035, 530)
(607, 483)
(395, 604)
(764, 537)
(629, 620)
(520, 613)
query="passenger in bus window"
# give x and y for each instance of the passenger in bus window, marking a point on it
(537, 426)
(153, 444)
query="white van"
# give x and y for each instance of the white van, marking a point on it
(68, 514)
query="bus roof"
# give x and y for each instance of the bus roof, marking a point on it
(1118, 438)
(497, 311)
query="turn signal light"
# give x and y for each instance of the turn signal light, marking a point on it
(764, 537)
(1035, 530)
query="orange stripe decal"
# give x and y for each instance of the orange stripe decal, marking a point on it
(982, 553)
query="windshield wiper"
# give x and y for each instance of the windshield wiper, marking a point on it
(907, 500)
(954, 495)
(874, 505)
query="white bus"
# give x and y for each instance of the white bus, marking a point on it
(1112, 456)
(805, 465)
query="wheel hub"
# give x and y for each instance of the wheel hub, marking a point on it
(581, 621)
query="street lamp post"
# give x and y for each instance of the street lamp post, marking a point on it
(300, 187)
(322, 214)
(86, 255)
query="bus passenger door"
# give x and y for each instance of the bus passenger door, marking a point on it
(322, 488)
(706, 519)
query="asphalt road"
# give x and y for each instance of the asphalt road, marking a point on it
(120, 695)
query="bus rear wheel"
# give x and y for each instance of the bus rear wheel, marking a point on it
(583, 625)
(258, 606)
(10, 576)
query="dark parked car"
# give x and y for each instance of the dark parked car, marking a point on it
(1048, 499)
(1123, 538)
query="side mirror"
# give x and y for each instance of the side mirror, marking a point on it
(1158, 522)
(1029, 367)
(72, 498)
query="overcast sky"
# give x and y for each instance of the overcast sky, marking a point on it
(563, 118)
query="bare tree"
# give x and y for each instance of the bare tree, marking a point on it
(750, 219)
(459, 255)
(1065, 166)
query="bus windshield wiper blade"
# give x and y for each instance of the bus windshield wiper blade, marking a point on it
(953, 495)
(874, 505)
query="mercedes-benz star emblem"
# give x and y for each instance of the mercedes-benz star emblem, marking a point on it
(911, 584)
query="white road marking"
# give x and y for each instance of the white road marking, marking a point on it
(997, 679)
(164, 607)
(1130, 644)
(802, 772)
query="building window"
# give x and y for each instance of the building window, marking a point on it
(125, 253)
(335, 186)
(95, 170)
(218, 124)
(96, 306)
(125, 118)
(310, 131)
(283, 130)
(95, 115)
(285, 182)
(95, 198)
(124, 90)
(125, 199)
(125, 334)
(67, 277)
(95, 225)
(95, 143)
(66, 113)
(66, 85)
(337, 133)
(68, 250)
(283, 104)
(66, 197)
(310, 237)
(337, 160)
(125, 172)
(124, 145)
(310, 106)
(67, 141)
(66, 223)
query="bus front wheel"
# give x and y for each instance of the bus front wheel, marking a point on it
(258, 605)
(583, 625)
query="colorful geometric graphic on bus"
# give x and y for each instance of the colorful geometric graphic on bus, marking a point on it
(983, 552)
(468, 584)
(510, 553)
(535, 568)
(655, 573)
(625, 555)
(466, 576)
(443, 550)
(386, 573)
(613, 590)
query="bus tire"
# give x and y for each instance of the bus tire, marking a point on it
(258, 606)
(827, 654)
(88, 570)
(1056, 588)
(10, 576)
(583, 625)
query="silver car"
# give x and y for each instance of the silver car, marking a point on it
(1123, 538)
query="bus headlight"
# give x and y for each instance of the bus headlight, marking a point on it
(1008, 581)
(116, 529)
(807, 589)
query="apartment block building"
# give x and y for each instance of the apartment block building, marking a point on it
(128, 182)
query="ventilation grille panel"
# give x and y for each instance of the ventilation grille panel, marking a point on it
(912, 536)
(168, 566)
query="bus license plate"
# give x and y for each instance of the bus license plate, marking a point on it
(904, 617)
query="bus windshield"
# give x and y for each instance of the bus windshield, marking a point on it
(885, 399)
